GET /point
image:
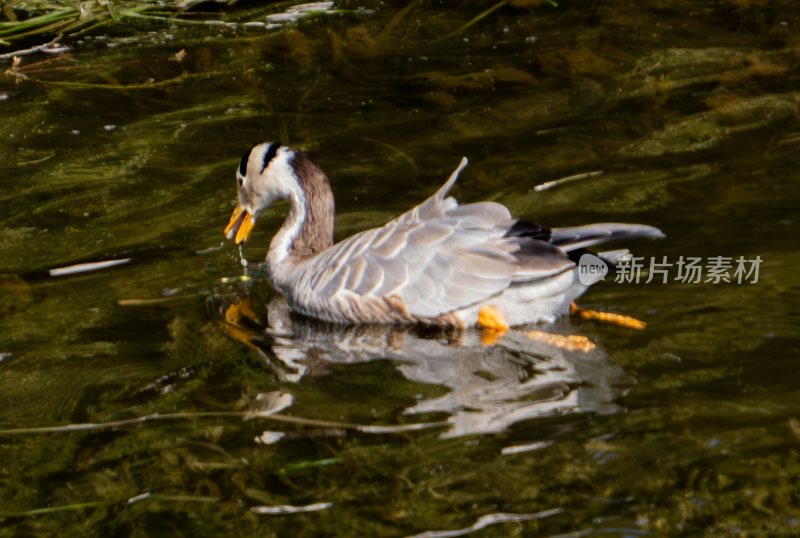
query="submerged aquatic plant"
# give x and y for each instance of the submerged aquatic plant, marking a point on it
(37, 20)
(45, 21)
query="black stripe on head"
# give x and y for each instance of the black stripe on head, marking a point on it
(243, 162)
(269, 155)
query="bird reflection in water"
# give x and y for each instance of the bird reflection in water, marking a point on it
(491, 387)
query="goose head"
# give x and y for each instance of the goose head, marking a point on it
(269, 172)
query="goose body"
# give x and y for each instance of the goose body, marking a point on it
(439, 263)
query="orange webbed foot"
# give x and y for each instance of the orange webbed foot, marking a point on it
(491, 324)
(572, 342)
(607, 317)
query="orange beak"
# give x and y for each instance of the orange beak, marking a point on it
(240, 225)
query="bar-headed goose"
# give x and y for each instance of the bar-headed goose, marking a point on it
(438, 264)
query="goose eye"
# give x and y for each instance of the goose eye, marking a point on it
(241, 181)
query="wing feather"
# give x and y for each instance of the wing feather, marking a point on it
(371, 280)
(396, 275)
(430, 234)
(435, 206)
(391, 243)
(357, 269)
(489, 210)
(591, 234)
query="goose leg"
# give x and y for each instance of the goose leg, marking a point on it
(491, 324)
(572, 342)
(615, 319)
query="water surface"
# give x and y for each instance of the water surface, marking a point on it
(681, 115)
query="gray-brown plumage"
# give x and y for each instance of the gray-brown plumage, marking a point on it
(438, 263)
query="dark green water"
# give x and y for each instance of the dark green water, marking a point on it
(116, 150)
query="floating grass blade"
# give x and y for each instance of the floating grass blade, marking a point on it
(307, 465)
(40, 24)
(475, 20)
(298, 421)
